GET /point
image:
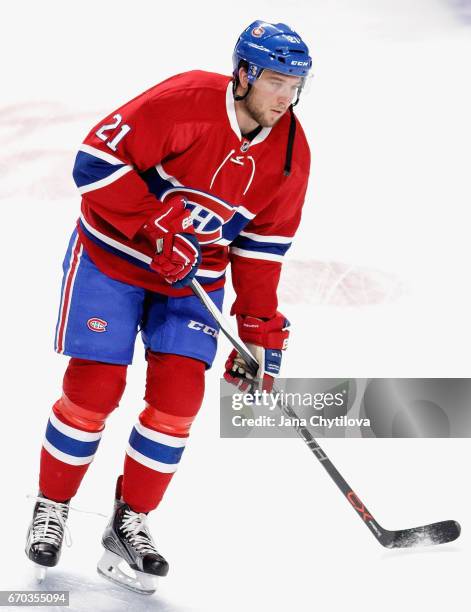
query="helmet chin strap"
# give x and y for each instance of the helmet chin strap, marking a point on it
(290, 144)
(237, 98)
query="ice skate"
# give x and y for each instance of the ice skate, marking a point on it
(46, 534)
(130, 558)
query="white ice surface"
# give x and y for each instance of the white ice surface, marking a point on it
(375, 285)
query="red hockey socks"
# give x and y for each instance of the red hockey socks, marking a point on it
(174, 394)
(91, 391)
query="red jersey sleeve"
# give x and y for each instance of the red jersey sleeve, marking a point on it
(127, 142)
(257, 253)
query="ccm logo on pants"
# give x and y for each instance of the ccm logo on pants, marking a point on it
(204, 328)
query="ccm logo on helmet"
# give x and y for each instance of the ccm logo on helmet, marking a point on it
(204, 328)
(97, 325)
(298, 63)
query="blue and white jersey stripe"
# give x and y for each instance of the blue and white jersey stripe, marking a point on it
(132, 255)
(159, 182)
(233, 228)
(94, 169)
(257, 246)
(157, 451)
(69, 444)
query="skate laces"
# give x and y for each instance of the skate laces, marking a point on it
(134, 527)
(49, 524)
(50, 521)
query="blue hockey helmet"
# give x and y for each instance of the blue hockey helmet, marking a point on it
(273, 46)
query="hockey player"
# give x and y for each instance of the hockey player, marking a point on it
(199, 171)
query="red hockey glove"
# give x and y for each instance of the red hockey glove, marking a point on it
(178, 253)
(265, 340)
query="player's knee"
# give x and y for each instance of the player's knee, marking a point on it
(174, 380)
(94, 386)
(174, 392)
(171, 424)
(78, 417)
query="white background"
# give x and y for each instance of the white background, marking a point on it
(375, 285)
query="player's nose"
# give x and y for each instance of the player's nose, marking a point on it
(284, 100)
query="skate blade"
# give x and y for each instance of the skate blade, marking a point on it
(108, 567)
(40, 572)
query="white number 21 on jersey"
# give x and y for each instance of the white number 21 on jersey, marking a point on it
(112, 144)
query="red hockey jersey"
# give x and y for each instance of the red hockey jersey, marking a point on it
(182, 136)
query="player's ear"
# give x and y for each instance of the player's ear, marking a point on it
(243, 77)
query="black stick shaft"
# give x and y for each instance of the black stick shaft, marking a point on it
(333, 472)
(303, 432)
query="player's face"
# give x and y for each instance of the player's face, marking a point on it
(271, 96)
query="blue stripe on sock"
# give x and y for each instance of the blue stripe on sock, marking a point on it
(154, 450)
(69, 446)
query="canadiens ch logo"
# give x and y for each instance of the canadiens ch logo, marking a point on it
(97, 325)
(208, 213)
(258, 32)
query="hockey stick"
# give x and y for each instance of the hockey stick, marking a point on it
(435, 533)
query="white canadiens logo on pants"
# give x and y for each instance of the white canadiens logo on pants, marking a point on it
(196, 325)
